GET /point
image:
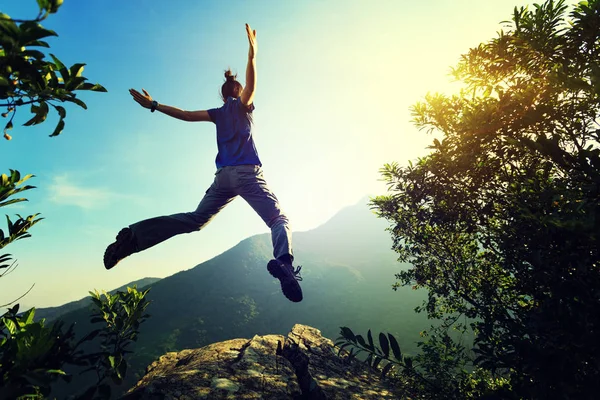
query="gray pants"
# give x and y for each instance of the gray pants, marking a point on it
(244, 180)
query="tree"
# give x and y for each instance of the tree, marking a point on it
(32, 355)
(501, 221)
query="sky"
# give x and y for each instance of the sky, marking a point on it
(336, 80)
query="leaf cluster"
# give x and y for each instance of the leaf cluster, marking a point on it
(28, 78)
(33, 355)
(120, 314)
(10, 185)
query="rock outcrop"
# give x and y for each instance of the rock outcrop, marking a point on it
(303, 365)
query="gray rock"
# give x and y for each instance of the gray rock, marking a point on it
(303, 365)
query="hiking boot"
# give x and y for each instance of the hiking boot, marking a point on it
(121, 248)
(288, 277)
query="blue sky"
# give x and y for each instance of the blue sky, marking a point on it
(335, 83)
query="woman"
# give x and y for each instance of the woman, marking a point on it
(238, 173)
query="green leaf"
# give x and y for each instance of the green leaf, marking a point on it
(370, 338)
(43, 4)
(347, 334)
(39, 43)
(361, 341)
(76, 70)
(35, 54)
(54, 5)
(61, 111)
(383, 342)
(32, 31)
(122, 369)
(27, 316)
(93, 87)
(64, 72)
(56, 371)
(377, 361)
(59, 128)
(11, 326)
(77, 101)
(41, 112)
(395, 347)
(386, 369)
(10, 31)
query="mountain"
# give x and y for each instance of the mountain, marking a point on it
(348, 271)
(51, 313)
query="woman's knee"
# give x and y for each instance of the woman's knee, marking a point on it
(199, 220)
(280, 219)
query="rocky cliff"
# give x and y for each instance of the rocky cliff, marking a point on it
(301, 365)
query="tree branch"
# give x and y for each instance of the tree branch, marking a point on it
(39, 18)
(21, 104)
(25, 294)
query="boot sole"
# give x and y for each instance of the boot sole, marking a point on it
(289, 285)
(112, 248)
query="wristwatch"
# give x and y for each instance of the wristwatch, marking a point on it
(154, 105)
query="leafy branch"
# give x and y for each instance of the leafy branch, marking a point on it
(47, 7)
(379, 356)
(27, 78)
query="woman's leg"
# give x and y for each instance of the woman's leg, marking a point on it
(150, 232)
(147, 233)
(252, 187)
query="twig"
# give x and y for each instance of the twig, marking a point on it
(25, 294)
(10, 269)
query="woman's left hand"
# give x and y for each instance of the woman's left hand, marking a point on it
(251, 41)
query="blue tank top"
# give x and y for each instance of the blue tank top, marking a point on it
(234, 134)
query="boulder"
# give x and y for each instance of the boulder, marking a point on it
(303, 365)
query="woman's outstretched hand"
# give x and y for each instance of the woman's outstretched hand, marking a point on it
(253, 46)
(144, 100)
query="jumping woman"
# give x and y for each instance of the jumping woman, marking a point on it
(238, 172)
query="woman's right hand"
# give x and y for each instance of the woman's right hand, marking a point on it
(144, 100)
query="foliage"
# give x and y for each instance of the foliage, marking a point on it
(501, 220)
(393, 365)
(27, 78)
(437, 372)
(10, 185)
(123, 312)
(376, 354)
(33, 356)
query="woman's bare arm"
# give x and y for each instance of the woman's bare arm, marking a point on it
(145, 100)
(248, 92)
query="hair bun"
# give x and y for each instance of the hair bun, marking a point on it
(230, 76)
